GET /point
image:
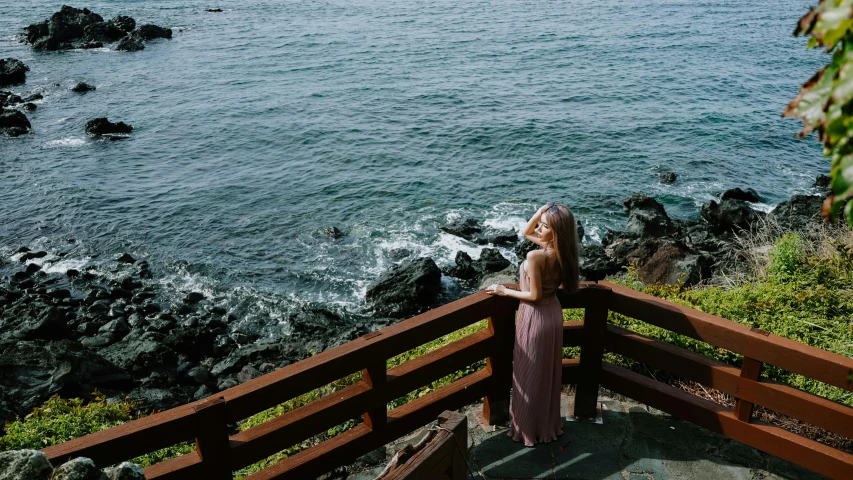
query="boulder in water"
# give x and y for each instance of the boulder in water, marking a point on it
(12, 71)
(102, 126)
(406, 289)
(333, 232)
(470, 229)
(150, 32)
(124, 23)
(668, 178)
(103, 32)
(83, 87)
(14, 123)
(61, 28)
(748, 195)
(132, 42)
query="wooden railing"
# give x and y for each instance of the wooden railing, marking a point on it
(217, 454)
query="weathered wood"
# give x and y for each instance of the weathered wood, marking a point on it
(750, 370)
(794, 356)
(770, 439)
(499, 362)
(781, 398)
(592, 350)
(289, 382)
(443, 455)
(347, 446)
(129, 440)
(179, 468)
(572, 334)
(212, 438)
(375, 376)
(261, 441)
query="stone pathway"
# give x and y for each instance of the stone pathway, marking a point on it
(635, 442)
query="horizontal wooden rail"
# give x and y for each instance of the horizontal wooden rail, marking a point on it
(784, 399)
(773, 440)
(289, 429)
(796, 357)
(347, 446)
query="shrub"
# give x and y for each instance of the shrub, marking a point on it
(786, 256)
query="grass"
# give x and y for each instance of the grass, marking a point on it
(795, 285)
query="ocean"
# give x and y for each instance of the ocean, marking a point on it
(257, 127)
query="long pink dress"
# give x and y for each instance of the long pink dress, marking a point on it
(537, 366)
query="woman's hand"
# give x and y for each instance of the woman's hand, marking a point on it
(495, 289)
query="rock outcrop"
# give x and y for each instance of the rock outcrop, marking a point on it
(12, 72)
(102, 126)
(470, 229)
(406, 289)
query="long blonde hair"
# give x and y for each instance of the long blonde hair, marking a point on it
(565, 245)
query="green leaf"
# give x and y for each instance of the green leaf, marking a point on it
(809, 104)
(833, 23)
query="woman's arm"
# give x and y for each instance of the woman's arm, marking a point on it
(534, 264)
(531, 226)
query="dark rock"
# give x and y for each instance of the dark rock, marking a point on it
(203, 392)
(333, 232)
(12, 71)
(194, 297)
(730, 215)
(595, 264)
(822, 182)
(471, 230)
(227, 383)
(397, 254)
(59, 293)
(35, 320)
(24, 465)
(124, 23)
(33, 371)
(200, 375)
(405, 289)
(30, 106)
(491, 261)
(159, 398)
(161, 325)
(102, 32)
(255, 354)
(524, 247)
(668, 178)
(748, 195)
(464, 268)
(98, 341)
(223, 346)
(102, 126)
(83, 87)
(142, 354)
(14, 123)
(150, 32)
(72, 273)
(117, 328)
(79, 468)
(507, 275)
(8, 99)
(647, 217)
(119, 292)
(64, 26)
(125, 471)
(673, 262)
(91, 45)
(88, 328)
(214, 10)
(247, 373)
(132, 42)
(800, 212)
(33, 97)
(32, 255)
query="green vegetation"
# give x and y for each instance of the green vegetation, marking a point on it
(825, 102)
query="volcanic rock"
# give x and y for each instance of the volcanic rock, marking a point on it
(102, 32)
(647, 217)
(464, 268)
(150, 32)
(24, 464)
(124, 23)
(333, 232)
(668, 178)
(63, 26)
(799, 213)
(14, 123)
(125, 471)
(672, 262)
(406, 289)
(730, 215)
(471, 230)
(595, 264)
(102, 126)
(80, 468)
(132, 42)
(748, 195)
(83, 87)
(12, 71)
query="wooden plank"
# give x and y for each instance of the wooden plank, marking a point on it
(499, 362)
(770, 439)
(784, 399)
(212, 438)
(592, 350)
(289, 382)
(572, 334)
(347, 446)
(179, 468)
(794, 356)
(750, 370)
(260, 442)
(129, 440)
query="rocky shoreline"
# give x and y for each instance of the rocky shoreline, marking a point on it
(75, 332)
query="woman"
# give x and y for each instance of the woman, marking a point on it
(537, 358)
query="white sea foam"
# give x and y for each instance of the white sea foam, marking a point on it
(65, 142)
(64, 264)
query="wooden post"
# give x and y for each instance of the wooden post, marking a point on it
(592, 351)
(458, 424)
(751, 370)
(374, 376)
(212, 441)
(499, 362)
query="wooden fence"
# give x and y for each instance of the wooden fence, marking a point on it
(218, 454)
